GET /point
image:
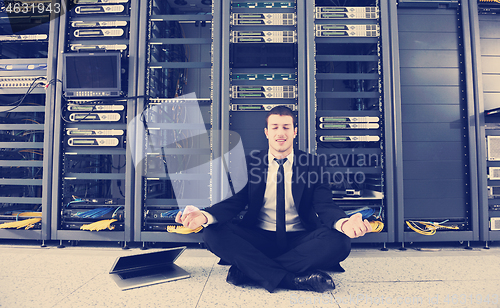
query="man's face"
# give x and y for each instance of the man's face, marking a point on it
(280, 133)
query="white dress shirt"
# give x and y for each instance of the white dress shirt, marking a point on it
(267, 216)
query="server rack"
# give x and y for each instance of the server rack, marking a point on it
(265, 43)
(176, 121)
(475, 74)
(349, 117)
(27, 83)
(484, 29)
(93, 180)
(437, 173)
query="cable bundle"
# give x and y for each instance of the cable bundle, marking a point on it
(170, 214)
(428, 227)
(365, 212)
(32, 87)
(377, 226)
(27, 224)
(76, 200)
(99, 225)
(182, 229)
(488, 1)
(95, 213)
(29, 214)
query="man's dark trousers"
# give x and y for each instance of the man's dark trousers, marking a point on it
(255, 252)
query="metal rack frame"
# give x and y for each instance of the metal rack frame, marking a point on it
(141, 235)
(485, 234)
(221, 118)
(387, 113)
(471, 127)
(77, 235)
(44, 233)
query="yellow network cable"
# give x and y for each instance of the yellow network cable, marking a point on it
(99, 225)
(31, 224)
(182, 229)
(30, 120)
(377, 226)
(430, 228)
(438, 226)
(27, 224)
(30, 214)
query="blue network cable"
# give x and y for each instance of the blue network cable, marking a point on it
(75, 201)
(365, 212)
(95, 213)
(114, 213)
(170, 214)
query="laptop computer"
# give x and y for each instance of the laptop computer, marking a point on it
(147, 269)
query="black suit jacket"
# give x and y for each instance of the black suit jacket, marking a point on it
(310, 189)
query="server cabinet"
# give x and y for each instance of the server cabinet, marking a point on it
(349, 110)
(95, 100)
(265, 43)
(435, 132)
(28, 39)
(262, 41)
(485, 34)
(175, 121)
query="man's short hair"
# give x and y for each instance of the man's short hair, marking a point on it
(282, 111)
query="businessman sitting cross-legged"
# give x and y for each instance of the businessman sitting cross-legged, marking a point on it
(292, 230)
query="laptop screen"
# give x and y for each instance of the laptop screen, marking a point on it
(147, 259)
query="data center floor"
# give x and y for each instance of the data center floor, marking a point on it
(77, 276)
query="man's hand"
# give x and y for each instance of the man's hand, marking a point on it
(355, 226)
(191, 218)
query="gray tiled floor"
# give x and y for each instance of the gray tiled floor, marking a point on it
(77, 276)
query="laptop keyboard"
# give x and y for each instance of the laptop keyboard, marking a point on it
(142, 272)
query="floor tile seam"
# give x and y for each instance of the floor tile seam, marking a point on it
(205, 284)
(18, 257)
(451, 255)
(300, 298)
(469, 292)
(333, 297)
(484, 279)
(67, 248)
(414, 262)
(342, 296)
(422, 249)
(422, 255)
(424, 280)
(340, 299)
(76, 289)
(420, 263)
(15, 275)
(396, 281)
